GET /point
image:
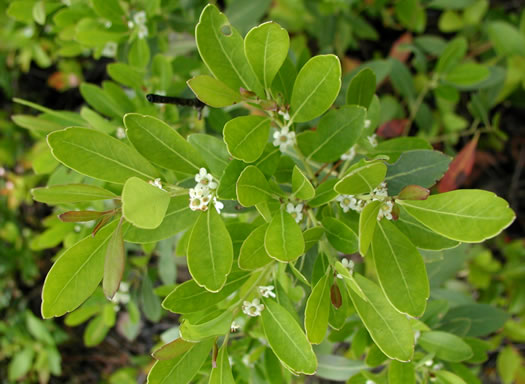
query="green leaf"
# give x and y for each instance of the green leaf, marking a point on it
(402, 80)
(337, 131)
(317, 310)
(221, 47)
(245, 14)
(389, 329)
(76, 274)
(39, 12)
(114, 263)
(139, 53)
(324, 193)
(367, 225)
(172, 349)
(301, 186)
(188, 297)
(394, 148)
(178, 217)
(338, 368)
(20, 364)
(311, 237)
(266, 47)
(149, 300)
(362, 178)
(283, 240)
(450, 4)
(70, 193)
(411, 14)
(126, 75)
(110, 10)
(340, 235)
(508, 363)
(446, 377)
(362, 88)
(469, 216)
(506, 38)
(467, 74)
(38, 125)
(183, 368)
(246, 137)
(101, 101)
(315, 88)
(287, 339)
(401, 373)
(419, 167)
(98, 155)
(400, 269)
(162, 144)
(228, 182)
(252, 187)
(452, 55)
(483, 318)
(445, 346)
(210, 251)
(213, 92)
(143, 204)
(212, 150)
(218, 326)
(253, 255)
(222, 373)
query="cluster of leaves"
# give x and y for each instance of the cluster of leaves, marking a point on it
(267, 82)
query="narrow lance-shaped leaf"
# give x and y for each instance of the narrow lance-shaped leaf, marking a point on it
(315, 88)
(162, 144)
(389, 329)
(98, 155)
(283, 239)
(287, 339)
(317, 310)
(114, 263)
(400, 269)
(469, 216)
(210, 251)
(246, 137)
(266, 48)
(301, 186)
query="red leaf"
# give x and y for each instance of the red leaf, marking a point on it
(398, 51)
(335, 296)
(460, 168)
(392, 128)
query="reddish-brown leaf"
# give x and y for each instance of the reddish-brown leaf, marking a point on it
(335, 296)
(460, 168)
(398, 51)
(392, 128)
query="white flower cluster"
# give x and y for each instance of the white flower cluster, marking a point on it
(350, 154)
(204, 192)
(156, 183)
(110, 50)
(283, 138)
(348, 264)
(296, 211)
(347, 202)
(122, 296)
(252, 308)
(372, 140)
(139, 19)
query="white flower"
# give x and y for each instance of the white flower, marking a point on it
(429, 363)
(349, 155)
(120, 133)
(370, 382)
(77, 228)
(348, 264)
(253, 308)
(385, 210)
(437, 366)
(110, 50)
(205, 179)
(143, 31)
(122, 295)
(267, 290)
(283, 138)
(140, 17)
(123, 287)
(107, 24)
(131, 24)
(28, 32)
(380, 192)
(367, 123)
(372, 140)
(285, 115)
(295, 211)
(218, 205)
(199, 198)
(156, 183)
(346, 201)
(234, 327)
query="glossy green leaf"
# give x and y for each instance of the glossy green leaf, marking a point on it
(390, 330)
(213, 92)
(340, 235)
(126, 75)
(400, 269)
(253, 254)
(394, 148)
(411, 14)
(172, 349)
(221, 47)
(316, 88)
(76, 274)
(301, 186)
(508, 363)
(212, 150)
(446, 377)
(337, 131)
(189, 297)
(469, 216)
(287, 339)
(98, 155)
(506, 38)
(183, 368)
(367, 225)
(266, 47)
(362, 88)
(217, 326)
(419, 167)
(143, 204)
(210, 251)
(283, 239)
(467, 74)
(452, 55)
(362, 178)
(110, 10)
(445, 346)
(317, 310)
(70, 193)
(483, 318)
(338, 368)
(252, 187)
(150, 302)
(324, 193)
(401, 373)
(311, 237)
(246, 137)
(139, 53)
(114, 263)
(162, 144)
(228, 182)
(222, 373)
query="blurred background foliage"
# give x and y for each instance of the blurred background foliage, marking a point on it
(88, 62)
